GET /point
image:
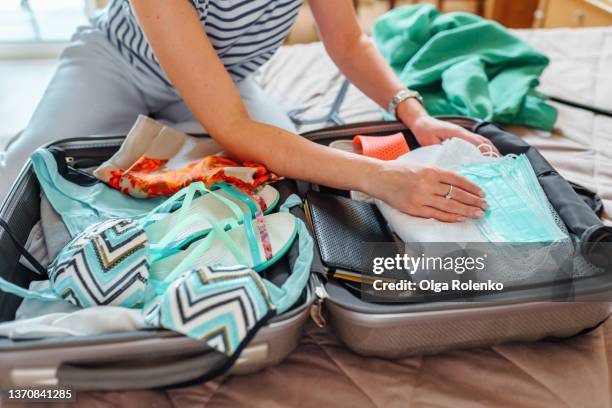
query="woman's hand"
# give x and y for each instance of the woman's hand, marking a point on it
(430, 131)
(421, 191)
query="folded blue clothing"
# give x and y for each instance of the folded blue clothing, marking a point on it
(80, 199)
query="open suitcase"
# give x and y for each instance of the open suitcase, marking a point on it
(154, 358)
(556, 309)
(132, 360)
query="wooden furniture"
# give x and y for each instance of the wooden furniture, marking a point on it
(573, 13)
(511, 13)
(394, 3)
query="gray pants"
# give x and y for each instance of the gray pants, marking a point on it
(96, 91)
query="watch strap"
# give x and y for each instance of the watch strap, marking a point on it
(400, 97)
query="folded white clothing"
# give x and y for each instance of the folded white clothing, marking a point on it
(450, 155)
(417, 229)
(39, 319)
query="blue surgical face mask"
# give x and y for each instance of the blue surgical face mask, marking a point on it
(519, 210)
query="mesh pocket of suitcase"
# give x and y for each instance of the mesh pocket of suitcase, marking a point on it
(131, 360)
(527, 313)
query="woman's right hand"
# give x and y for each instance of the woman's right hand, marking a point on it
(421, 191)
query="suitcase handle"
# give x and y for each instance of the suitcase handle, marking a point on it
(121, 376)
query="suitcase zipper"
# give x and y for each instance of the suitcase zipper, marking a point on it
(351, 130)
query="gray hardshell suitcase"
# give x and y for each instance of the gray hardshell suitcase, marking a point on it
(133, 360)
(530, 314)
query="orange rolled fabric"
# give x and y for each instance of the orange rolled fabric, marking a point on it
(381, 147)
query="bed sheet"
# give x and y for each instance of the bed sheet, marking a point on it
(322, 373)
(303, 76)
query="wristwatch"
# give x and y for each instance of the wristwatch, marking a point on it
(400, 97)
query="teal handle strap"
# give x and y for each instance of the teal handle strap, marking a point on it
(198, 251)
(286, 296)
(241, 215)
(187, 195)
(239, 195)
(251, 237)
(162, 249)
(201, 187)
(8, 287)
(246, 220)
(168, 205)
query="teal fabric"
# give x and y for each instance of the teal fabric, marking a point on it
(282, 297)
(465, 65)
(83, 206)
(105, 265)
(185, 197)
(220, 306)
(286, 296)
(251, 239)
(45, 296)
(108, 263)
(519, 211)
(223, 305)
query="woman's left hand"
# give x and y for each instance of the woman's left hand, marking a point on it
(429, 131)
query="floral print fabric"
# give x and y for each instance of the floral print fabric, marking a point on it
(156, 160)
(150, 177)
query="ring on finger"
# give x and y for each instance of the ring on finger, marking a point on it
(449, 195)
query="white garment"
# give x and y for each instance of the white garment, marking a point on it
(450, 155)
(38, 319)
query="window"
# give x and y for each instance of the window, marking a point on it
(41, 21)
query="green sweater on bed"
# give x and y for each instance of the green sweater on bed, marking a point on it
(465, 65)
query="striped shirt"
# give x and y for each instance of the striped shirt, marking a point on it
(245, 33)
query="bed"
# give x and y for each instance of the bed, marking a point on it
(302, 76)
(322, 373)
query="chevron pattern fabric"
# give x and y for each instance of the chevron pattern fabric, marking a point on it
(217, 305)
(107, 264)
